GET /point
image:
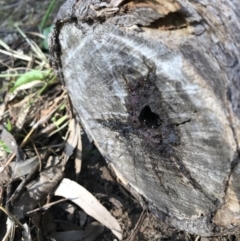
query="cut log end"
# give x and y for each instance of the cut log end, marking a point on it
(156, 102)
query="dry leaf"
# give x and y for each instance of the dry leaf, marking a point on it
(71, 142)
(37, 190)
(84, 199)
(78, 158)
(9, 140)
(26, 233)
(20, 169)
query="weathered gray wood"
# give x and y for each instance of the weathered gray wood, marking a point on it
(156, 85)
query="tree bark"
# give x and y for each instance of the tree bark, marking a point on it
(156, 85)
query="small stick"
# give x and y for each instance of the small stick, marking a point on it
(137, 226)
(46, 206)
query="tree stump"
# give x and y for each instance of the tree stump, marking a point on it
(156, 85)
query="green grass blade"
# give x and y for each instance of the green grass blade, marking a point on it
(47, 14)
(29, 77)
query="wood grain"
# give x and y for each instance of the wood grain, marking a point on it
(156, 86)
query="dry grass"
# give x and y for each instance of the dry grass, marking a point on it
(34, 105)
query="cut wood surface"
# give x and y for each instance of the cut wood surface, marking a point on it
(156, 85)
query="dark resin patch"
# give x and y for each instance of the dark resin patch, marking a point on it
(149, 136)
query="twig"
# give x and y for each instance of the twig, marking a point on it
(137, 226)
(46, 206)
